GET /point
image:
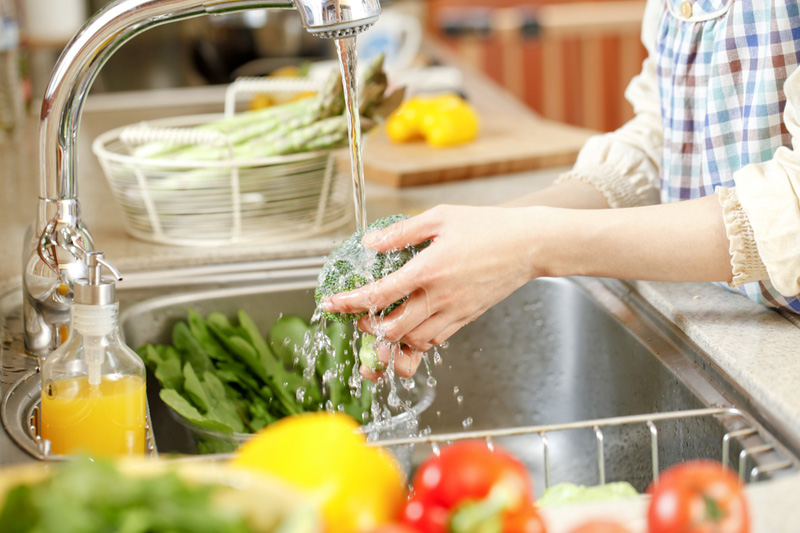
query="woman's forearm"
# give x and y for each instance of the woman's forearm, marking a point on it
(570, 194)
(480, 255)
(684, 241)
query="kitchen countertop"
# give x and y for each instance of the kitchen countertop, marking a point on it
(754, 346)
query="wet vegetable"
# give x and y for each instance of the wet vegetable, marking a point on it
(352, 265)
(227, 377)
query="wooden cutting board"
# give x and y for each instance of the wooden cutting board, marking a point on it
(507, 143)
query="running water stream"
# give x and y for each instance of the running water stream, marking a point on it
(381, 409)
(348, 62)
(346, 48)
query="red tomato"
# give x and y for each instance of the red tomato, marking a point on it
(698, 497)
(466, 473)
(425, 517)
(600, 526)
(469, 470)
(525, 520)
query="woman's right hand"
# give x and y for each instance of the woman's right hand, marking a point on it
(477, 257)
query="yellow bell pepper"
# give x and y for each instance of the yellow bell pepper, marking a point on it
(356, 486)
(443, 120)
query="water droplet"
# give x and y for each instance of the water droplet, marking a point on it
(460, 400)
(455, 390)
(431, 381)
(467, 422)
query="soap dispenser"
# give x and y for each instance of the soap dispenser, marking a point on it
(93, 385)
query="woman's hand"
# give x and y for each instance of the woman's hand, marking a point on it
(478, 256)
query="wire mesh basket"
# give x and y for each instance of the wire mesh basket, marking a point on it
(200, 203)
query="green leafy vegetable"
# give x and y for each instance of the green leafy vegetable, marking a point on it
(225, 376)
(567, 493)
(84, 496)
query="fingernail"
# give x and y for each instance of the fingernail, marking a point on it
(327, 306)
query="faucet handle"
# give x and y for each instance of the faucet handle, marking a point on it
(65, 237)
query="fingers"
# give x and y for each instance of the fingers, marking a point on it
(373, 296)
(406, 361)
(407, 232)
(420, 332)
(394, 326)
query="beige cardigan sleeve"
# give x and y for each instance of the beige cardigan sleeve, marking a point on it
(624, 166)
(769, 195)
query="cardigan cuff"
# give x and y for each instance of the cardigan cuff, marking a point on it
(745, 259)
(620, 190)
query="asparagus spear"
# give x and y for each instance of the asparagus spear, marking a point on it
(292, 127)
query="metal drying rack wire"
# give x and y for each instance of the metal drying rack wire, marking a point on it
(750, 429)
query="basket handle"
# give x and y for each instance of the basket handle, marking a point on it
(143, 134)
(255, 84)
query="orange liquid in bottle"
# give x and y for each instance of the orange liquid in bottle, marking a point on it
(106, 419)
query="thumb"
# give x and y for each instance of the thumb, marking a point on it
(407, 232)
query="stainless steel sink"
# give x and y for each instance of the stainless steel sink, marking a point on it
(557, 351)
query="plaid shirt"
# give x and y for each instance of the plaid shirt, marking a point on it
(722, 65)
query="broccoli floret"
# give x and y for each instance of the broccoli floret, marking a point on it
(351, 266)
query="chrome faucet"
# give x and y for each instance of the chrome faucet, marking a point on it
(58, 241)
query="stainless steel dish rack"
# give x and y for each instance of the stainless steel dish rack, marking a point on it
(757, 455)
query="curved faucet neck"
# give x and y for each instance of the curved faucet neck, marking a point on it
(82, 60)
(53, 254)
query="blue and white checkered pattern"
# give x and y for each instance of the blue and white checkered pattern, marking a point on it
(721, 74)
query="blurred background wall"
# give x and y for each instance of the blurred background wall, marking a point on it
(568, 60)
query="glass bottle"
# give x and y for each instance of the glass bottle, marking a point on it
(93, 385)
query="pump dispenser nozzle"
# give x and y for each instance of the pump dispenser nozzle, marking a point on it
(95, 289)
(93, 317)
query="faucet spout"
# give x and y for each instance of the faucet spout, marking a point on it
(50, 266)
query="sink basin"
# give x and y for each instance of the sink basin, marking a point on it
(555, 354)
